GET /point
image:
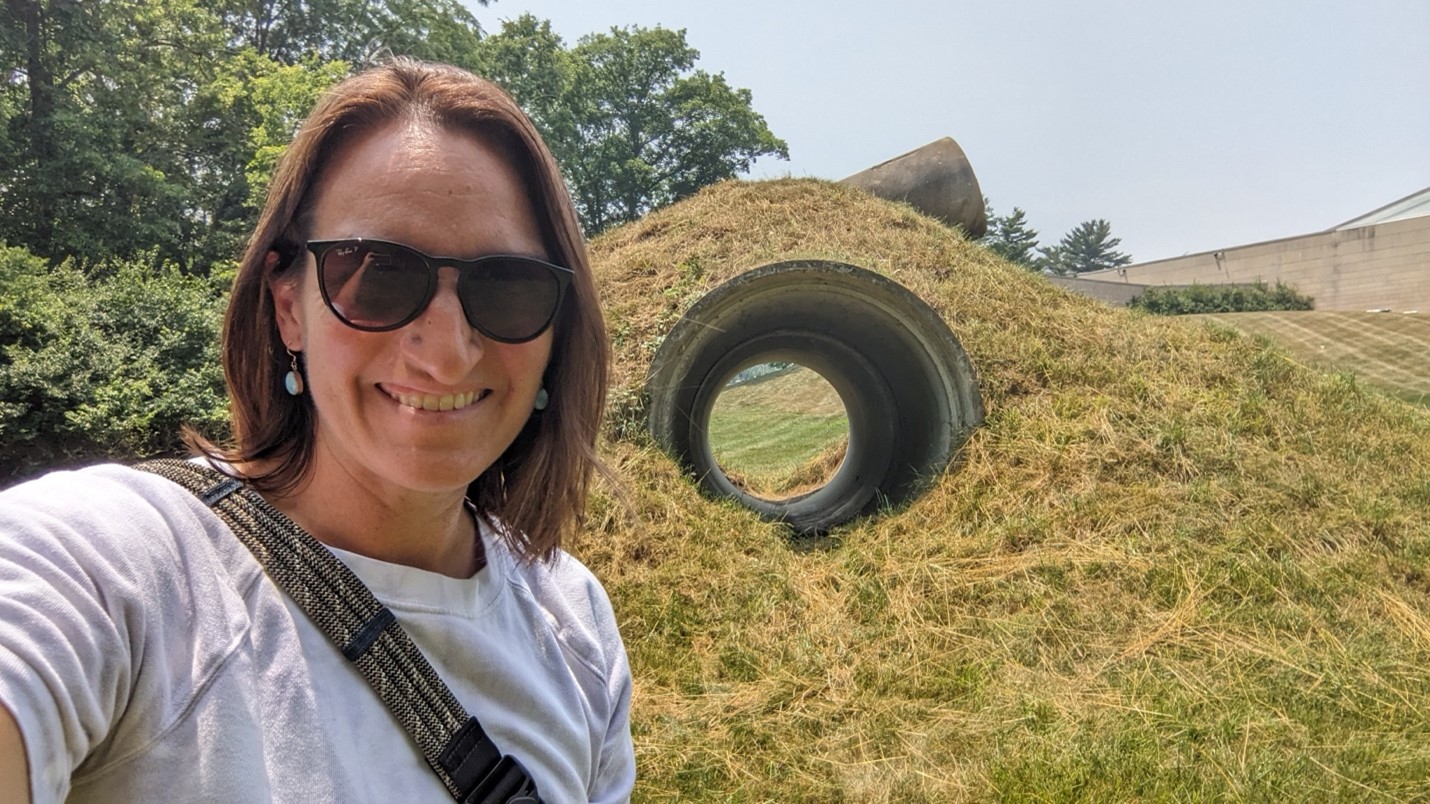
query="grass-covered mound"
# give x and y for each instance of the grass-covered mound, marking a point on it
(1173, 563)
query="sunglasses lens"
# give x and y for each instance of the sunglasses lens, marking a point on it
(510, 298)
(373, 286)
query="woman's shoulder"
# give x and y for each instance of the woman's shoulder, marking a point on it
(109, 515)
(112, 495)
(573, 600)
(562, 580)
(123, 596)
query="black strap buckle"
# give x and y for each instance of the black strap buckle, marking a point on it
(481, 773)
(508, 783)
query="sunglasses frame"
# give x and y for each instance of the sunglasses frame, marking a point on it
(320, 249)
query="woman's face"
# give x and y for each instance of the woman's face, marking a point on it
(447, 194)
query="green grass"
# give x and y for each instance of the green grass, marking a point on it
(765, 447)
(766, 433)
(1176, 563)
(1389, 351)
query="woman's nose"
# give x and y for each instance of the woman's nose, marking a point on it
(440, 341)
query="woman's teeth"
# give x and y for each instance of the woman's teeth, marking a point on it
(433, 402)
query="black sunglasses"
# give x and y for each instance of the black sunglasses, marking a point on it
(375, 286)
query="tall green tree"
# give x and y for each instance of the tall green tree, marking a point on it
(1090, 246)
(532, 63)
(354, 31)
(136, 126)
(95, 157)
(631, 121)
(1010, 237)
(656, 129)
(241, 122)
(133, 125)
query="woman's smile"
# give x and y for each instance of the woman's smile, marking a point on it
(435, 402)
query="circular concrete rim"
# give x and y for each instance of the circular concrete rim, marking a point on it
(908, 388)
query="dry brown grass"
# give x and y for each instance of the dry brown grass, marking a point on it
(1173, 563)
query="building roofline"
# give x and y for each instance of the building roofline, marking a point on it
(1211, 252)
(1352, 223)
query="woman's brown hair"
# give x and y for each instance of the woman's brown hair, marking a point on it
(537, 488)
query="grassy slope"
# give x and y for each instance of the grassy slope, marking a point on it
(1388, 350)
(1173, 563)
(767, 430)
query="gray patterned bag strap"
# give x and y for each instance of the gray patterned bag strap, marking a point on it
(469, 764)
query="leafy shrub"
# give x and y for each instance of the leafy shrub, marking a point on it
(1251, 298)
(104, 363)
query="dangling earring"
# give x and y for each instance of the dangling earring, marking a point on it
(542, 400)
(293, 380)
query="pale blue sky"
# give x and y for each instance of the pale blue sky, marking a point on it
(1189, 126)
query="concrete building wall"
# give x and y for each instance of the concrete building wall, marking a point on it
(1118, 294)
(1115, 293)
(1382, 266)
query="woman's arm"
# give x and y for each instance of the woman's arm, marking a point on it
(14, 775)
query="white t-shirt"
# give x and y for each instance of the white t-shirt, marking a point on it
(146, 657)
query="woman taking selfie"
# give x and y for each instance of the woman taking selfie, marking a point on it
(417, 366)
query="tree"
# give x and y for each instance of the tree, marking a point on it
(1090, 246)
(1010, 237)
(133, 125)
(353, 31)
(631, 121)
(657, 132)
(95, 164)
(531, 63)
(241, 123)
(130, 125)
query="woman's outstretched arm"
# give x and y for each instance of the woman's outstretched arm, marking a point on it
(14, 776)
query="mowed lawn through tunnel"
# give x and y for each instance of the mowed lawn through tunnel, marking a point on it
(779, 430)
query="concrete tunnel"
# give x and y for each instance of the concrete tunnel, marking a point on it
(908, 388)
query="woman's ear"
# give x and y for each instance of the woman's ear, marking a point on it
(286, 290)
